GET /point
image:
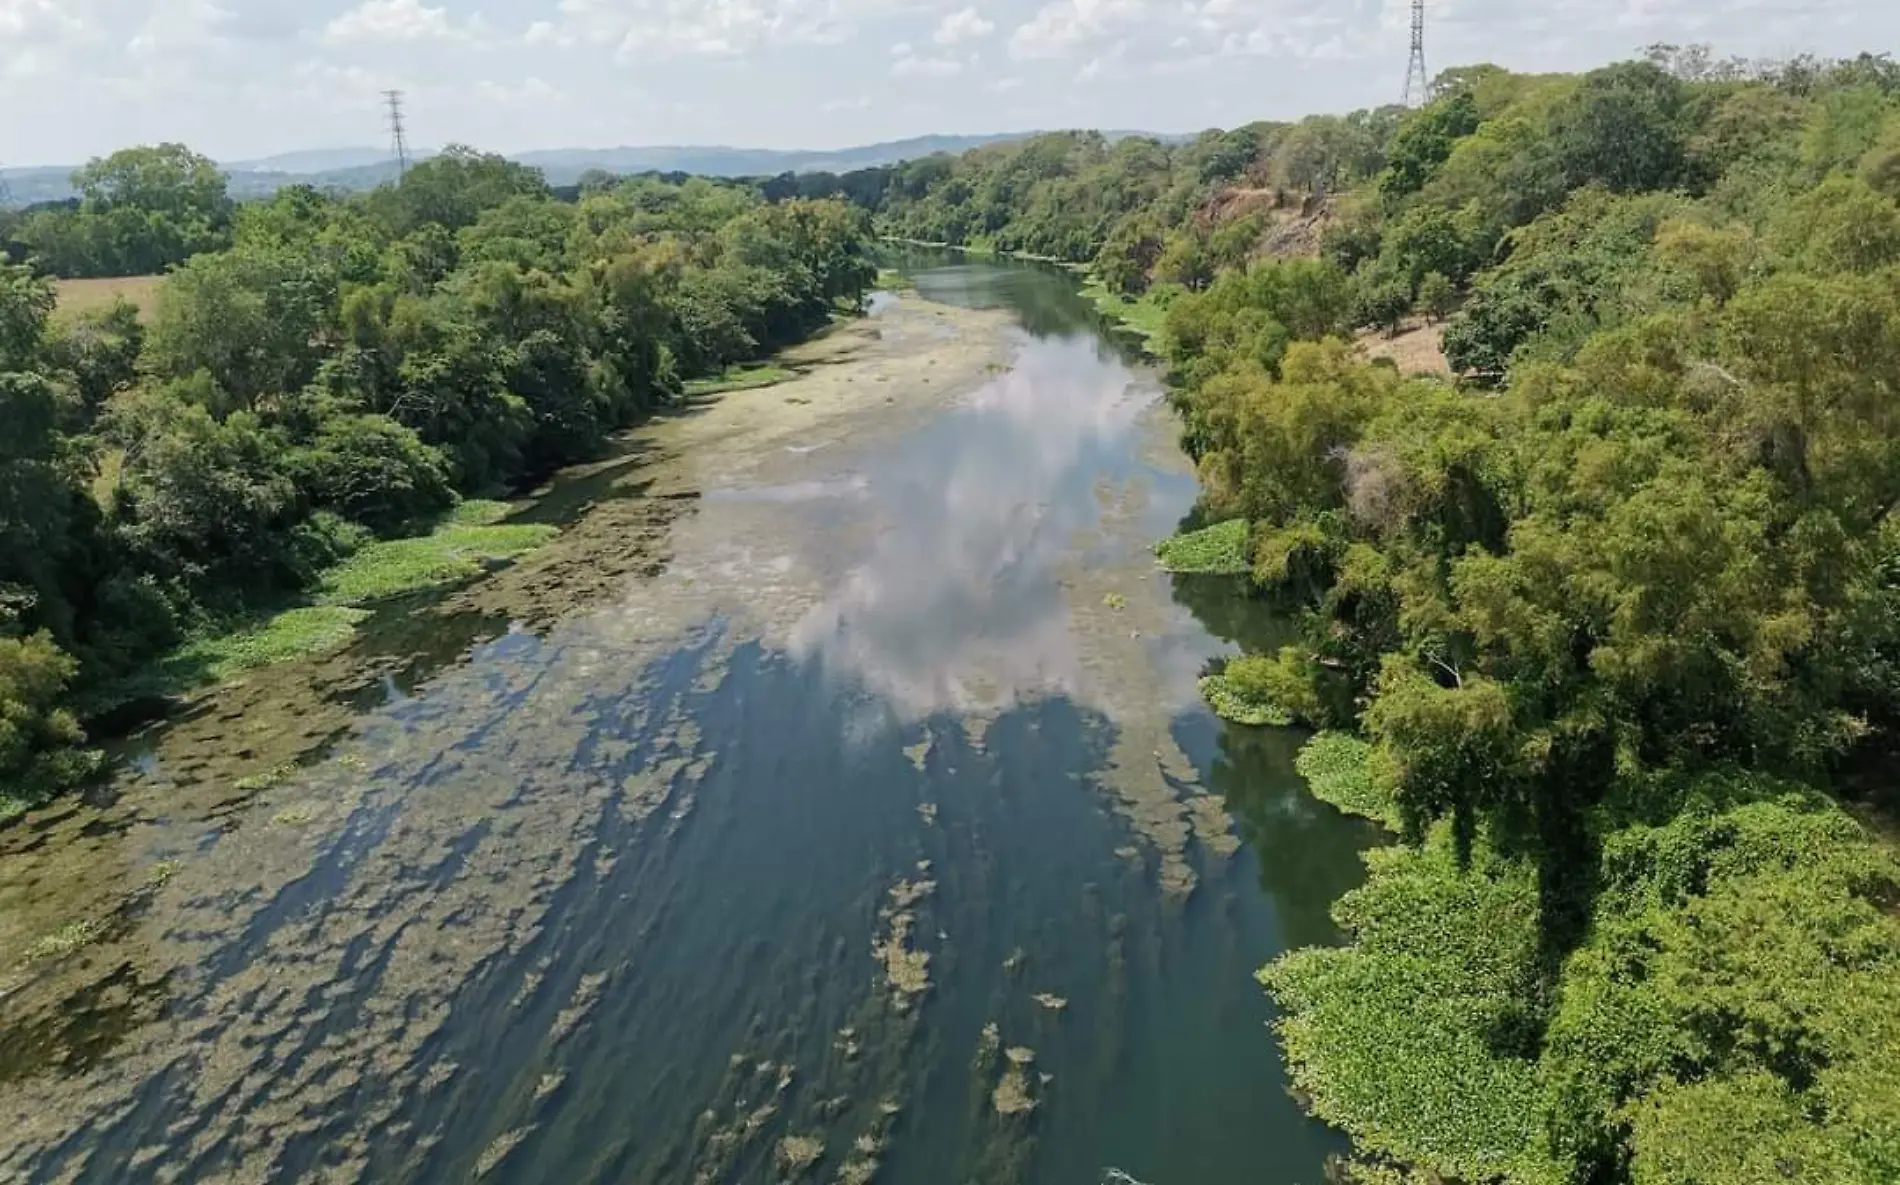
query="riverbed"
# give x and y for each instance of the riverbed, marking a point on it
(831, 801)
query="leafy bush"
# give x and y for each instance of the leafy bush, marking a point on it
(1337, 767)
(1730, 1015)
(38, 738)
(455, 551)
(1219, 550)
(1232, 704)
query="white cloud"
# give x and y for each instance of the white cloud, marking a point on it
(1062, 27)
(178, 28)
(21, 19)
(963, 25)
(224, 75)
(927, 68)
(35, 36)
(659, 29)
(529, 92)
(906, 64)
(391, 20)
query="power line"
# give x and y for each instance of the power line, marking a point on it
(1418, 80)
(398, 141)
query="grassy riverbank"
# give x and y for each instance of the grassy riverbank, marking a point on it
(1144, 316)
(469, 540)
(740, 378)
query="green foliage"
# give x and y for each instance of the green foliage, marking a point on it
(1406, 1038)
(1248, 319)
(38, 737)
(371, 470)
(1424, 141)
(1219, 550)
(456, 551)
(1338, 768)
(1437, 298)
(1729, 1017)
(305, 632)
(1232, 701)
(141, 211)
(325, 370)
(251, 318)
(71, 937)
(740, 378)
(1624, 128)
(1145, 316)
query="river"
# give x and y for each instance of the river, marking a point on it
(832, 802)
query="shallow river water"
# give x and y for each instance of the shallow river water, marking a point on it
(860, 823)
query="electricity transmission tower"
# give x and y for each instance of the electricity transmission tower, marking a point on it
(1418, 81)
(398, 142)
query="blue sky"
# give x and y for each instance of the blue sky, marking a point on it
(243, 78)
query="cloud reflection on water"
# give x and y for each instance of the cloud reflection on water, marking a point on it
(957, 605)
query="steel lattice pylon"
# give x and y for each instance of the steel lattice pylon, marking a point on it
(1418, 81)
(398, 135)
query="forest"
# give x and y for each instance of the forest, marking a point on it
(1606, 629)
(321, 372)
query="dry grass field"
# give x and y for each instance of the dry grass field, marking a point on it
(1418, 349)
(79, 296)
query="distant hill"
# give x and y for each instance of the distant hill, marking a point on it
(357, 169)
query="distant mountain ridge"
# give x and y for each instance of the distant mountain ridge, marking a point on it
(362, 168)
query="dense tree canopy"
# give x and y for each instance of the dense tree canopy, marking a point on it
(320, 369)
(140, 211)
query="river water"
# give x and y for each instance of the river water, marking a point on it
(864, 826)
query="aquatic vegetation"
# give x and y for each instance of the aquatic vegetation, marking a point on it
(1012, 1094)
(1145, 316)
(162, 873)
(1232, 703)
(586, 995)
(1213, 828)
(65, 940)
(1219, 550)
(1337, 767)
(461, 548)
(741, 378)
(297, 816)
(905, 969)
(1443, 955)
(264, 781)
(1115, 601)
(499, 1148)
(304, 632)
(796, 1154)
(919, 753)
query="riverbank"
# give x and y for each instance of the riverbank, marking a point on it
(986, 251)
(1144, 316)
(1140, 318)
